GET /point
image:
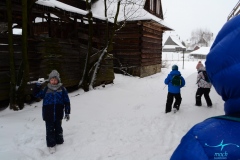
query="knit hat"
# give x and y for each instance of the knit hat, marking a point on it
(199, 65)
(224, 73)
(55, 74)
(174, 67)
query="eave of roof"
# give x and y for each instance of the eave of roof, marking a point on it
(63, 6)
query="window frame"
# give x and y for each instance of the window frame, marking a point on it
(158, 7)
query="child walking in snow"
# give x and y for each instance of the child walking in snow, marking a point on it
(174, 90)
(203, 88)
(55, 102)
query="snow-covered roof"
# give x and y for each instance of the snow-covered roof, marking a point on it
(201, 51)
(63, 6)
(170, 46)
(130, 10)
(176, 40)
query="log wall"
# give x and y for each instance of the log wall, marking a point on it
(46, 54)
(138, 48)
(65, 50)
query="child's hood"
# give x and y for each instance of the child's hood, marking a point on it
(175, 72)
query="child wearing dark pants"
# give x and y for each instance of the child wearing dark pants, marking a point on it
(55, 103)
(54, 133)
(205, 92)
(177, 102)
(204, 88)
(174, 90)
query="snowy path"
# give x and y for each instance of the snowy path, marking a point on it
(123, 121)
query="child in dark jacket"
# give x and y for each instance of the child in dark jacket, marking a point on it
(173, 91)
(55, 102)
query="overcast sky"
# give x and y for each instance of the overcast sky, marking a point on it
(184, 16)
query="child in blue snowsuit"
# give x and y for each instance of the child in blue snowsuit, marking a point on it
(173, 91)
(55, 103)
(219, 137)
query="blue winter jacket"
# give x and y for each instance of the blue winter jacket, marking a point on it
(212, 139)
(215, 139)
(54, 103)
(168, 80)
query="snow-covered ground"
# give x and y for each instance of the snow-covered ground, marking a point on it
(123, 121)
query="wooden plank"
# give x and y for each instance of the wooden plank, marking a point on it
(130, 35)
(153, 25)
(151, 35)
(128, 47)
(149, 63)
(156, 60)
(128, 57)
(127, 30)
(127, 41)
(159, 51)
(150, 55)
(146, 45)
(152, 40)
(125, 50)
(84, 36)
(152, 31)
(128, 53)
(127, 63)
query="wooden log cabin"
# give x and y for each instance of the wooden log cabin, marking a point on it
(138, 45)
(53, 43)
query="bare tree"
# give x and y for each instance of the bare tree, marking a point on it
(201, 37)
(86, 72)
(109, 44)
(129, 7)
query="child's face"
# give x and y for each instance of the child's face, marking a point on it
(53, 81)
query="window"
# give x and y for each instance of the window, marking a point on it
(152, 5)
(158, 7)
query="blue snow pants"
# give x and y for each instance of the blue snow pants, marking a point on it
(54, 133)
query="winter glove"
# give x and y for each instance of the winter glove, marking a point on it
(67, 117)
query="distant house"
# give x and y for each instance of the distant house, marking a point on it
(172, 43)
(195, 48)
(200, 53)
(202, 43)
